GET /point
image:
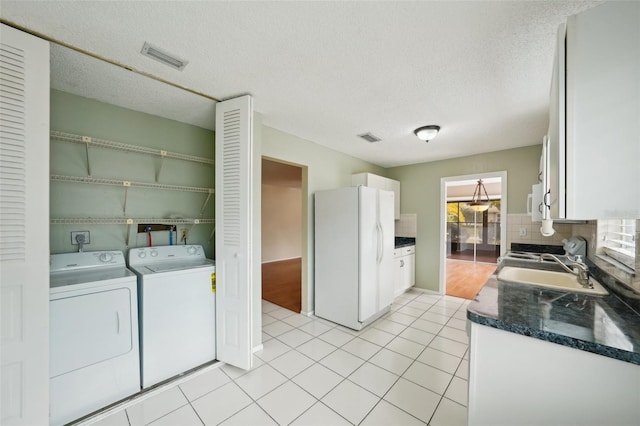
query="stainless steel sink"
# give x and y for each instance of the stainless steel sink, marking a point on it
(561, 281)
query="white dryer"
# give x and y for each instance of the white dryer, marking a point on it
(94, 355)
(177, 310)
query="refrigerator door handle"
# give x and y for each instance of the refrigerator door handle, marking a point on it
(380, 245)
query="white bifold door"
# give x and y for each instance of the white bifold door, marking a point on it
(234, 231)
(24, 228)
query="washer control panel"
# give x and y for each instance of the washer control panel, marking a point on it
(147, 255)
(85, 260)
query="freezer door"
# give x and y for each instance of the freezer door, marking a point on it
(336, 256)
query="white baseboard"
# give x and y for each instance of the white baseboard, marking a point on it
(257, 348)
(281, 260)
(308, 314)
(424, 290)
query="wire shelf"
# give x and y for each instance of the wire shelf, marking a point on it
(125, 183)
(120, 146)
(128, 221)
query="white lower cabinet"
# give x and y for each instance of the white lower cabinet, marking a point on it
(519, 380)
(404, 259)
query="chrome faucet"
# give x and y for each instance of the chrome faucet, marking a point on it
(580, 269)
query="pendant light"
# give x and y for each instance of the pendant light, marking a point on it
(476, 202)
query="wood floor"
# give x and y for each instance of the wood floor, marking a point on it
(481, 256)
(282, 283)
(464, 279)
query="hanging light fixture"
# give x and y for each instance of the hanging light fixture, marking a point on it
(426, 133)
(476, 202)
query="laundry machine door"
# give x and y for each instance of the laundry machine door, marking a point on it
(88, 329)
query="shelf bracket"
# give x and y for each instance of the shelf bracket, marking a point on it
(126, 185)
(211, 191)
(87, 141)
(129, 225)
(213, 231)
(163, 155)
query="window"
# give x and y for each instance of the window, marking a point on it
(617, 241)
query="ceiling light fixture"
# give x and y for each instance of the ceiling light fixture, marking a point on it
(476, 203)
(163, 56)
(426, 133)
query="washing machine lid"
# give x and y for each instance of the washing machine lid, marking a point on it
(179, 266)
(106, 275)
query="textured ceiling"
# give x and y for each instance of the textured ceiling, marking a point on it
(324, 71)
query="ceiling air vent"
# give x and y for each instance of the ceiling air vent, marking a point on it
(369, 137)
(163, 56)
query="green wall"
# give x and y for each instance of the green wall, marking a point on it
(323, 168)
(420, 194)
(83, 116)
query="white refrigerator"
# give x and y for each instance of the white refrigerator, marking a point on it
(354, 242)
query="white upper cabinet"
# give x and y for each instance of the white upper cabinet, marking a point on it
(594, 124)
(379, 182)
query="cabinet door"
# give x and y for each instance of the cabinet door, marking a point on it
(554, 150)
(394, 186)
(603, 110)
(409, 270)
(398, 277)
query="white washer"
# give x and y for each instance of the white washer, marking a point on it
(177, 310)
(94, 355)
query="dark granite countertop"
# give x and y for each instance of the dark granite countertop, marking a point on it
(405, 242)
(608, 326)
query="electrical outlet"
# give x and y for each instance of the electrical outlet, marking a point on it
(85, 234)
(523, 231)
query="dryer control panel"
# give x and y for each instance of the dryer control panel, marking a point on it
(148, 255)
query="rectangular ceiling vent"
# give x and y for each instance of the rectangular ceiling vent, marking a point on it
(369, 137)
(162, 56)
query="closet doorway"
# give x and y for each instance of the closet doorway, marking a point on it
(471, 241)
(282, 234)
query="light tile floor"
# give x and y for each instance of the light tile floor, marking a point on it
(408, 368)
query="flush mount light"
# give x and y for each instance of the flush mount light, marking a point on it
(476, 203)
(426, 133)
(163, 56)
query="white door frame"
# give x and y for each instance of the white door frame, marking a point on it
(442, 287)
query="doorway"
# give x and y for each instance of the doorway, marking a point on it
(471, 241)
(282, 234)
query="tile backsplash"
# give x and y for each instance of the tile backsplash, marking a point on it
(517, 223)
(407, 225)
(520, 229)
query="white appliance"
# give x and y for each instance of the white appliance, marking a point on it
(93, 348)
(354, 242)
(534, 203)
(177, 310)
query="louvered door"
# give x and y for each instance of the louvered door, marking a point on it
(24, 227)
(234, 170)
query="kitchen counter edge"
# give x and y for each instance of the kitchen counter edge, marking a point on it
(476, 315)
